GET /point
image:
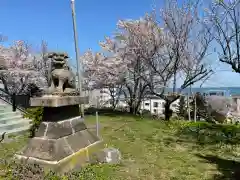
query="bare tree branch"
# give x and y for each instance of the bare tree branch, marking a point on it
(224, 17)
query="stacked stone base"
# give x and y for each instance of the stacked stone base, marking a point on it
(62, 145)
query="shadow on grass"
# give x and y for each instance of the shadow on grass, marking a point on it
(229, 169)
(117, 113)
(204, 133)
(106, 112)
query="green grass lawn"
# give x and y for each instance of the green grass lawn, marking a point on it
(159, 150)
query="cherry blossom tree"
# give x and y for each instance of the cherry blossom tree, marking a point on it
(42, 63)
(18, 74)
(104, 73)
(150, 55)
(132, 46)
(224, 17)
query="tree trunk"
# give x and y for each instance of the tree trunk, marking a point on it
(174, 81)
(168, 111)
(133, 108)
(113, 103)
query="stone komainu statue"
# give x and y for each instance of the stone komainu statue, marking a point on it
(62, 78)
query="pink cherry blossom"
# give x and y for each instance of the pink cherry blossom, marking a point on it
(18, 73)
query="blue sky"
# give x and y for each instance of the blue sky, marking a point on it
(51, 20)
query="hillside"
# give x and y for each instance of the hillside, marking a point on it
(159, 150)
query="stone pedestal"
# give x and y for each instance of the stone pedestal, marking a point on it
(62, 141)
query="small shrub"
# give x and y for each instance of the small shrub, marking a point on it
(36, 115)
(21, 170)
(208, 133)
(146, 113)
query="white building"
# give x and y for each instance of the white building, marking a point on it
(98, 97)
(236, 104)
(156, 105)
(101, 98)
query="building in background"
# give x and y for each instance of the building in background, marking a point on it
(216, 92)
(236, 104)
(102, 98)
(220, 100)
(156, 105)
(98, 98)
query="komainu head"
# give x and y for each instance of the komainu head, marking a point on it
(59, 60)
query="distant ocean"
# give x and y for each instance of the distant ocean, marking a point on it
(231, 90)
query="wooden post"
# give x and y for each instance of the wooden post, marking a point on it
(97, 124)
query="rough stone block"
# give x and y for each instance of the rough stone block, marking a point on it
(78, 124)
(57, 130)
(57, 149)
(41, 130)
(89, 136)
(39, 148)
(77, 141)
(79, 159)
(47, 149)
(62, 149)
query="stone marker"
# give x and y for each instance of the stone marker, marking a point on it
(109, 155)
(62, 141)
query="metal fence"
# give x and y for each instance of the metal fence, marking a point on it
(20, 102)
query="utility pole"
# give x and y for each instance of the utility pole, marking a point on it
(188, 103)
(79, 64)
